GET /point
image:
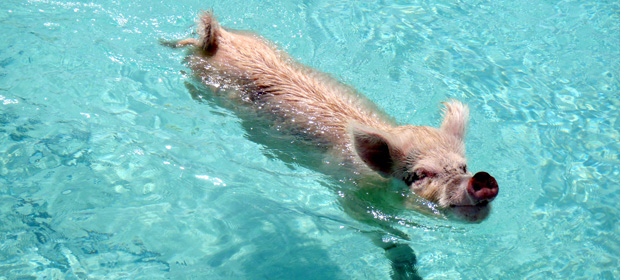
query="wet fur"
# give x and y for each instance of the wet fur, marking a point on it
(247, 67)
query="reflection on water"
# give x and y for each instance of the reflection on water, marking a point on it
(105, 157)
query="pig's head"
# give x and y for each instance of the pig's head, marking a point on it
(431, 162)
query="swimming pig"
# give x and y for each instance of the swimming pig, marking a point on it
(431, 161)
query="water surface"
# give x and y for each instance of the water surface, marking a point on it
(109, 169)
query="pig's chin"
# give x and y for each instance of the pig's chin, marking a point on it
(470, 213)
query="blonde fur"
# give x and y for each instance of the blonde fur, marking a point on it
(432, 160)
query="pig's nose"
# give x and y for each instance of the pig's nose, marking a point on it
(482, 187)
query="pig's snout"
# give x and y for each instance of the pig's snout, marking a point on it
(482, 187)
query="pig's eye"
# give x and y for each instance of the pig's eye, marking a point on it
(464, 168)
(412, 178)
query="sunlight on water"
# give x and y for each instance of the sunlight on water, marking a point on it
(110, 169)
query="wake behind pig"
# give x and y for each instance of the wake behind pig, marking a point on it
(431, 161)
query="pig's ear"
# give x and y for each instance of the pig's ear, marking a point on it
(374, 148)
(455, 118)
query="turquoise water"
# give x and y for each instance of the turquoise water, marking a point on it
(110, 170)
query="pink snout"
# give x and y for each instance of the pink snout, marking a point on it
(482, 187)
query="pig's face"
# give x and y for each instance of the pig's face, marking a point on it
(431, 162)
(446, 181)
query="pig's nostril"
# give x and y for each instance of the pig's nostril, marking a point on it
(483, 186)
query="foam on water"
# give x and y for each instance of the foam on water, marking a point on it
(109, 169)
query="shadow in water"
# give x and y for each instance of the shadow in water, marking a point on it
(367, 200)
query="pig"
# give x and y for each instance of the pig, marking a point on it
(430, 161)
